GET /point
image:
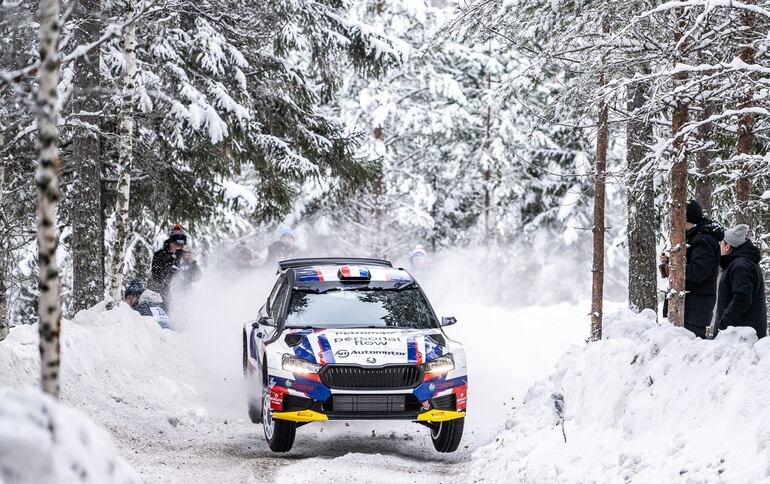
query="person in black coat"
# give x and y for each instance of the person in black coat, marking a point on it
(742, 286)
(173, 263)
(701, 270)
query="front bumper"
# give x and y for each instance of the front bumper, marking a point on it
(304, 416)
(305, 399)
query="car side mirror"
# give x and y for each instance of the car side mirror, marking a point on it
(448, 320)
(266, 321)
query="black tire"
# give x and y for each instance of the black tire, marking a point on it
(278, 433)
(446, 435)
(245, 357)
(255, 410)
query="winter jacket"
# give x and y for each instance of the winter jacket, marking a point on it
(702, 268)
(167, 268)
(742, 290)
(278, 251)
(701, 273)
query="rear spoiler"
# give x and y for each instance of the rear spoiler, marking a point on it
(333, 261)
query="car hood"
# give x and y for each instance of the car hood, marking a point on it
(368, 347)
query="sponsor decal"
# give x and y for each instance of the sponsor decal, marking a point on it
(276, 397)
(443, 385)
(359, 340)
(373, 352)
(302, 387)
(360, 333)
(461, 396)
(342, 353)
(426, 405)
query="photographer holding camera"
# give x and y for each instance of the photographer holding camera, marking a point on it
(173, 263)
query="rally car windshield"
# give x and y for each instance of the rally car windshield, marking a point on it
(406, 308)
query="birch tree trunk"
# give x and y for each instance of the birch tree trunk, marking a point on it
(745, 142)
(126, 157)
(87, 228)
(47, 179)
(602, 141)
(642, 278)
(677, 210)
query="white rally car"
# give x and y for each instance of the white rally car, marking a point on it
(352, 339)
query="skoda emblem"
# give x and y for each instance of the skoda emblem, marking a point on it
(288, 383)
(342, 353)
(432, 386)
(371, 360)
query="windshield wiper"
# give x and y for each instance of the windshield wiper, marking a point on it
(398, 287)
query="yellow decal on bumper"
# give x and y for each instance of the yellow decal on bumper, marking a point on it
(439, 415)
(300, 416)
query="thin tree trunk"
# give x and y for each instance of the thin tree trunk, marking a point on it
(642, 278)
(47, 179)
(3, 253)
(745, 145)
(87, 228)
(488, 169)
(703, 181)
(677, 211)
(4, 326)
(126, 157)
(602, 141)
(377, 189)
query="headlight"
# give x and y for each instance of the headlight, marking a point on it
(440, 365)
(298, 365)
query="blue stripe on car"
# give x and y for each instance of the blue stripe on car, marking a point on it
(433, 350)
(326, 348)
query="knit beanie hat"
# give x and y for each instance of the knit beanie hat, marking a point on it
(694, 212)
(135, 288)
(178, 235)
(736, 236)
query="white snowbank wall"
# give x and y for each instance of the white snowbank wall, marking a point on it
(43, 442)
(119, 368)
(647, 404)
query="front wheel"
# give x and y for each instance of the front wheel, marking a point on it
(279, 433)
(446, 435)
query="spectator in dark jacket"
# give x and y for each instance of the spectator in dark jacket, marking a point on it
(701, 270)
(742, 286)
(283, 248)
(173, 263)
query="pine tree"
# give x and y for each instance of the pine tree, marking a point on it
(85, 160)
(642, 279)
(602, 142)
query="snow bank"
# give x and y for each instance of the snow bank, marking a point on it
(647, 404)
(118, 367)
(44, 442)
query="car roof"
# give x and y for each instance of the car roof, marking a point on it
(332, 261)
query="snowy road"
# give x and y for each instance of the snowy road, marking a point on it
(174, 401)
(208, 450)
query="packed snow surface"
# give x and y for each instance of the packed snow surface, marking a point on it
(650, 403)
(43, 442)
(174, 400)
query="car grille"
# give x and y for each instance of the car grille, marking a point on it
(343, 377)
(369, 403)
